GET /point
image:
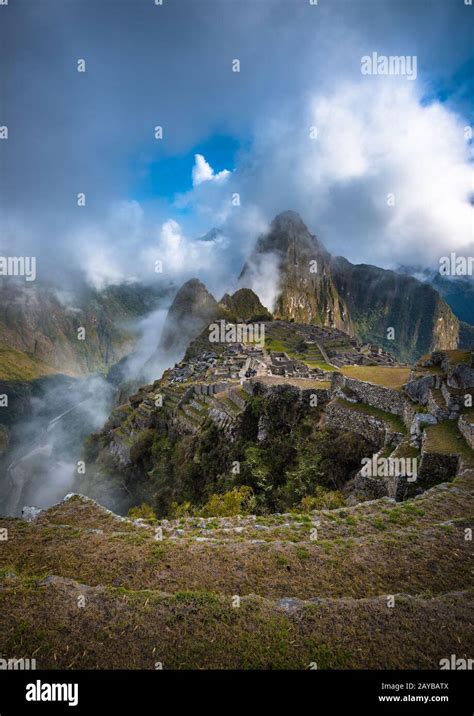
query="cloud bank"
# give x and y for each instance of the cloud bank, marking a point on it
(378, 167)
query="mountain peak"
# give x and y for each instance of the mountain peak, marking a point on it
(192, 286)
(288, 230)
(289, 218)
(244, 305)
(192, 309)
(212, 235)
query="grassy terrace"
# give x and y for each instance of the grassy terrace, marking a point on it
(445, 438)
(393, 420)
(404, 449)
(456, 357)
(312, 358)
(385, 376)
(298, 382)
(274, 344)
(228, 404)
(322, 365)
(171, 601)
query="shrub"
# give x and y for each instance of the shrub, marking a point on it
(143, 512)
(238, 501)
(140, 452)
(322, 500)
(184, 509)
(301, 346)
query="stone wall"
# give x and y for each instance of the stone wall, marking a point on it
(207, 389)
(376, 430)
(409, 414)
(466, 428)
(435, 468)
(387, 399)
(435, 407)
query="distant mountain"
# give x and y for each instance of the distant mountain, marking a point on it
(212, 235)
(39, 328)
(457, 291)
(362, 300)
(244, 305)
(192, 309)
(379, 300)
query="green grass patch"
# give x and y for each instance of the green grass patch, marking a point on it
(445, 438)
(393, 420)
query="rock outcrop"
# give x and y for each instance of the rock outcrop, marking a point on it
(192, 309)
(307, 291)
(364, 301)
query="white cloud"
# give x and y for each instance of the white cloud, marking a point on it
(374, 138)
(380, 140)
(202, 171)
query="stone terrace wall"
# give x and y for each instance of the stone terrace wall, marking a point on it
(374, 429)
(387, 399)
(303, 394)
(466, 428)
(435, 468)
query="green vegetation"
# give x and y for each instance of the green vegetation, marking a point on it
(143, 512)
(444, 437)
(184, 475)
(322, 500)
(394, 420)
(17, 365)
(238, 501)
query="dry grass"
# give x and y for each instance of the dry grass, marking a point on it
(198, 630)
(171, 600)
(385, 376)
(298, 382)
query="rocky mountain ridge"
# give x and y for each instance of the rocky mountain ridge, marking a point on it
(391, 309)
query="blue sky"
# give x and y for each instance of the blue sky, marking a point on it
(165, 176)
